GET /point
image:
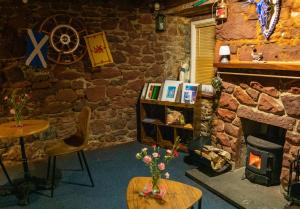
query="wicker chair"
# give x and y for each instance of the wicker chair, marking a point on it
(72, 144)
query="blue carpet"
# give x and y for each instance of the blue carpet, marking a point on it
(112, 168)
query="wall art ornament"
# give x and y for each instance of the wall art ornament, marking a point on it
(66, 38)
(98, 49)
(37, 49)
(268, 12)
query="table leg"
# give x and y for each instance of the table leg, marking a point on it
(24, 159)
(200, 203)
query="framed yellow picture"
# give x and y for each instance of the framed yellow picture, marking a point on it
(98, 49)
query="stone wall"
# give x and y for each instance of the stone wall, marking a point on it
(59, 92)
(242, 30)
(269, 101)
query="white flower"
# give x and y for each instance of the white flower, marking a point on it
(155, 154)
(167, 175)
(144, 149)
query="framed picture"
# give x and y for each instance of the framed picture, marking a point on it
(144, 91)
(153, 91)
(207, 88)
(189, 93)
(170, 90)
(98, 49)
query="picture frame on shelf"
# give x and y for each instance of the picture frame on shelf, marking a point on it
(189, 93)
(207, 89)
(170, 90)
(144, 91)
(153, 90)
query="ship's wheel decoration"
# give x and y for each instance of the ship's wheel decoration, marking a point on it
(268, 12)
(66, 34)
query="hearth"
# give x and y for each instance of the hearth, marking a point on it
(263, 161)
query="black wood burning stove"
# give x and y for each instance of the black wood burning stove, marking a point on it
(263, 161)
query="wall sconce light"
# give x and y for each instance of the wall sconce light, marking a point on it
(224, 54)
(160, 19)
(160, 22)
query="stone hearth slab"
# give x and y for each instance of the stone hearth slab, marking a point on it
(241, 193)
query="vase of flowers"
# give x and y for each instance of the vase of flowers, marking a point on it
(157, 164)
(16, 104)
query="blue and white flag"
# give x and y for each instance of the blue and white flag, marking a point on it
(37, 49)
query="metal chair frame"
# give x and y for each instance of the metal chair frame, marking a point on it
(5, 172)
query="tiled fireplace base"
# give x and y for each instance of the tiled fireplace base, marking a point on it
(240, 192)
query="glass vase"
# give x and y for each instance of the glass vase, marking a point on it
(155, 184)
(18, 120)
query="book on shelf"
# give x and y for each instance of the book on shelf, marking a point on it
(144, 91)
(189, 93)
(153, 90)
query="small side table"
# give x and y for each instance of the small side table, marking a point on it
(178, 195)
(30, 127)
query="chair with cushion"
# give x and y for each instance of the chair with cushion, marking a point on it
(73, 144)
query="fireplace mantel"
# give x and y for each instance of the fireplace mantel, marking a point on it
(285, 66)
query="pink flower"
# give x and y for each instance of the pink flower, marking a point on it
(155, 154)
(147, 159)
(175, 153)
(12, 111)
(167, 175)
(161, 166)
(6, 98)
(169, 152)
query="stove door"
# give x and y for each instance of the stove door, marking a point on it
(257, 160)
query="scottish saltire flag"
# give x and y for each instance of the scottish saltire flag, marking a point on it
(36, 49)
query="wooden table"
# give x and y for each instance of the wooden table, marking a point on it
(178, 195)
(30, 127)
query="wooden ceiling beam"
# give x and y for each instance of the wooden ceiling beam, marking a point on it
(188, 10)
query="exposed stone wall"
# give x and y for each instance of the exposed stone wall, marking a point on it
(59, 92)
(275, 102)
(271, 101)
(242, 30)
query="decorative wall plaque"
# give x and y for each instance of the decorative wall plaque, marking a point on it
(268, 12)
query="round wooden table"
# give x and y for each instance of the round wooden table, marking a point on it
(29, 127)
(178, 195)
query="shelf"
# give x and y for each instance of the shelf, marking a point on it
(173, 104)
(153, 117)
(149, 141)
(176, 126)
(285, 66)
(207, 96)
(157, 122)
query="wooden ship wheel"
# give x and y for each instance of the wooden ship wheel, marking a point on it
(66, 37)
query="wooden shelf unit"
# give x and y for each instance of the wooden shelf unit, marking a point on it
(155, 130)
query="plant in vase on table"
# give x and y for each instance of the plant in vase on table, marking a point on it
(17, 102)
(157, 164)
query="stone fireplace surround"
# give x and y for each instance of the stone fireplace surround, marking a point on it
(271, 101)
